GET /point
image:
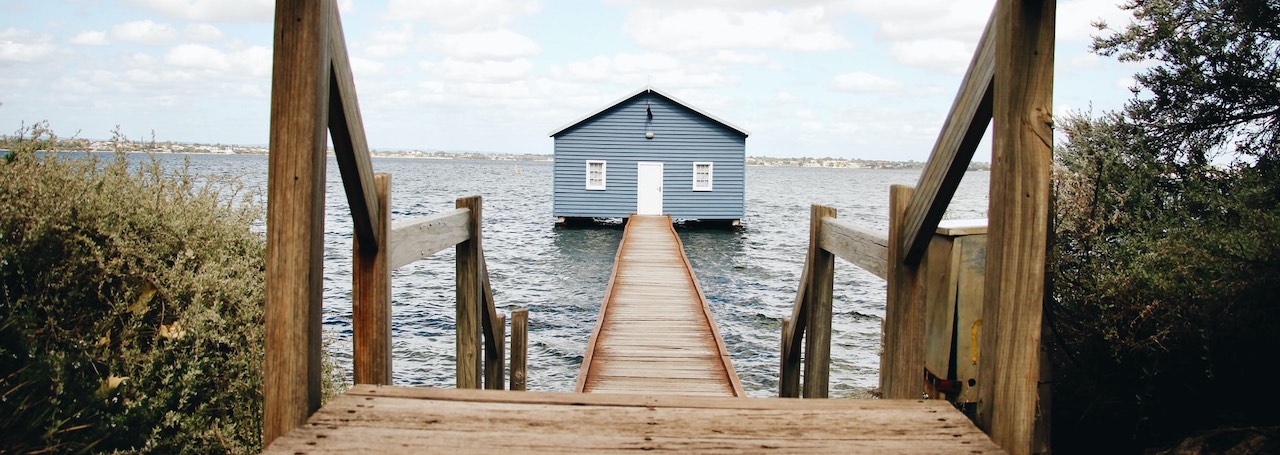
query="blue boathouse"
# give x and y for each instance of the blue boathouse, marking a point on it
(649, 154)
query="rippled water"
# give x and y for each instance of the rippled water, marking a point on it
(749, 275)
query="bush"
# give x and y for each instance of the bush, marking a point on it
(132, 301)
(1164, 310)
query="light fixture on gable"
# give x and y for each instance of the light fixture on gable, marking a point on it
(648, 112)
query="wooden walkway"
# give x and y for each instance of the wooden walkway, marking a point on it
(655, 334)
(384, 419)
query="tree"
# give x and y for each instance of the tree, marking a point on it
(1163, 310)
(1215, 87)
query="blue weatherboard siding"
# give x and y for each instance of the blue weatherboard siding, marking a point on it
(681, 137)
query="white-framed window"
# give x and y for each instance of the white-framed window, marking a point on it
(702, 176)
(595, 175)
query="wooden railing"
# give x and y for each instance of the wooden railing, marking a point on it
(313, 93)
(1010, 81)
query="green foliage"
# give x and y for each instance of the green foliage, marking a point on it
(131, 302)
(1164, 311)
(1215, 86)
(1164, 292)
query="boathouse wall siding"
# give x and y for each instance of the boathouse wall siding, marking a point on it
(681, 137)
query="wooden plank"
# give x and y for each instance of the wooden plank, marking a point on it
(420, 238)
(961, 132)
(371, 299)
(941, 277)
(973, 255)
(727, 363)
(350, 146)
(295, 216)
(1019, 219)
(902, 362)
(519, 347)
(655, 333)
(817, 346)
(495, 368)
(469, 296)
(861, 247)
(387, 419)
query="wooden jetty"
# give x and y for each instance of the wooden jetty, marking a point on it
(382, 419)
(655, 334)
(641, 366)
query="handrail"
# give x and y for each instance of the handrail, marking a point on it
(860, 246)
(961, 132)
(313, 92)
(810, 319)
(420, 238)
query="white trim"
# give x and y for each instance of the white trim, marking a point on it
(710, 175)
(643, 90)
(604, 174)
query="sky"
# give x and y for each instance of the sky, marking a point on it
(858, 79)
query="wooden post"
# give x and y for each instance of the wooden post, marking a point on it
(789, 376)
(495, 365)
(519, 347)
(817, 347)
(1019, 220)
(902, 364)
(469, 299)
(371, 308)
(295, 216)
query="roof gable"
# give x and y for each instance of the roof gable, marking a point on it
(642, 91)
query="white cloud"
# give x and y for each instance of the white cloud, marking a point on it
(203, 33)
(944, 54)
(453, 69)
(800, 29)
(500, 44)
(211, 10)
(90, 38)
(903, 20)
(387, 42)
(462, 15)
(733, 57)
(145, 32)
(862, 82)
(604, 68)
(24, 46)
(1085, 60)
(251, 62)
(1075, 18)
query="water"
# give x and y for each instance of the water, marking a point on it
(748, 275)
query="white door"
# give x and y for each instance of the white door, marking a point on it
(648, 188)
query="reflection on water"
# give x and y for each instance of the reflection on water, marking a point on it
(749, 275)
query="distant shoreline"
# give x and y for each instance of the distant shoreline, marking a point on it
(220, 149)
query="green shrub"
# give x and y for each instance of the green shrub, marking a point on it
(1164, 313)
(131, 299)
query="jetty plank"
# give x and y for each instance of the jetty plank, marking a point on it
(655, 334)
(382, 419)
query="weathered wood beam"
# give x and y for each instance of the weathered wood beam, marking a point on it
(817, 346)
(350, 146)
(420, 238)
(961, 132)
(861, 247)
(495, 365)
(295, 216)
(371, 299)
(1018, 221)
(519, 347)
(902, 361)
(469, 300)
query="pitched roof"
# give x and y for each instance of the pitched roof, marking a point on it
(631, 95)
